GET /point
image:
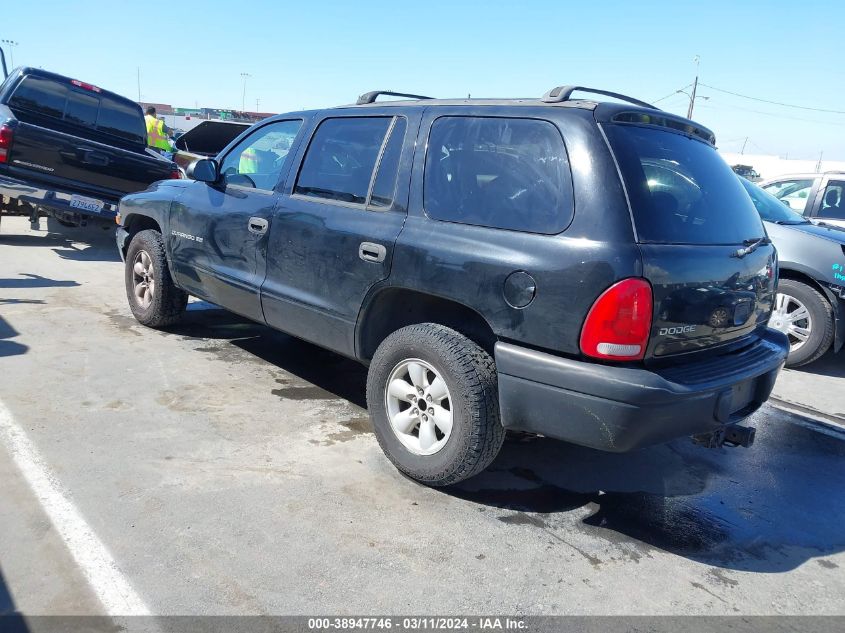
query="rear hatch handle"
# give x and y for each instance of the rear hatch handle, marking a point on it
(749, 246)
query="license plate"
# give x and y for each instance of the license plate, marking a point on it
(742, 395)
(86, 204)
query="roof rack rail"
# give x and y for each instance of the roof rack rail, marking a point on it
(563, 93)
(370, 97)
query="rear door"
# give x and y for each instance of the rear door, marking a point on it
(700, 238)
(80, 134)
(218, 232)
(334, 231)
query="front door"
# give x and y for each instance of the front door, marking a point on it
(333, 232)
(219, 231)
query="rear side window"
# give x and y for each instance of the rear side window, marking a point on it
(121, 119)
(503, 173)
(680, 189)
(40, 96)
(341, 158)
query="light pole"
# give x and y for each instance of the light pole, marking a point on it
(696, 59)
(692, 97)
(12, 45)
(243, 98)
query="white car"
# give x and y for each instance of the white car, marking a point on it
(818, 197)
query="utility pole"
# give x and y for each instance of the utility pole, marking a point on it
(243, 97)
(819, 164)
(743, 145)
(12, 45)
(694, 88)
(139, 83)
(257, 101)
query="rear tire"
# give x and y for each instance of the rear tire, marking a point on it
(451, 384)
(795, 299)
(154, 299)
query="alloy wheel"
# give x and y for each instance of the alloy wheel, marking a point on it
(143, 276)
(792, 317)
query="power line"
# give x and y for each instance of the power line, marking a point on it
(672, 94)
(773, 114)
(778, 103)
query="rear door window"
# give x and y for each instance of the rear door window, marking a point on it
(833, 201)
(341, 158)
(680, 189)
(505, 173)
(40, 96)
(794, 193)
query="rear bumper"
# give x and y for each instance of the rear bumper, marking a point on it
(50, 198)
(619, 409)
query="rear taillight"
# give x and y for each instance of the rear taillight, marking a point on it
(6, 134)
(618, 324)
(175, 174)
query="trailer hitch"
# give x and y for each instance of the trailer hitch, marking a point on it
(730, 435)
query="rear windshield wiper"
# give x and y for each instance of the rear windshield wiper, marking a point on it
(749, 246)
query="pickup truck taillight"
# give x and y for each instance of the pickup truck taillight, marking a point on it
(6, 134)
(175, 174)
(618, 324)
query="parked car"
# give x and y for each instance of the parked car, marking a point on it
(71, 149)
(818, 197)
(747, 172)
(498, 264)
(810, 304)
(205, 140)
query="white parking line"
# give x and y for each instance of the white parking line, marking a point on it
(101, 571)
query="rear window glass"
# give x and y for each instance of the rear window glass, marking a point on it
(40, 96)
(81, 108)
(121, 119)
(504, 173)
(680, 189)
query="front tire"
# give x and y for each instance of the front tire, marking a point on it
(154, 299)
(806, 317)
(433, 399)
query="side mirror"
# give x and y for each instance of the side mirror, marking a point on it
(204, 170)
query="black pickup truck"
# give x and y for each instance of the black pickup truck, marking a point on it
(70, 149)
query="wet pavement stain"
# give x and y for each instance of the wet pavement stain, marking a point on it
(352, 429)
(827, 564)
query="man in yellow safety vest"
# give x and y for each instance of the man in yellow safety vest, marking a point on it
(156, 132)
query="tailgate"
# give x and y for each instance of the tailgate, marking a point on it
(706, 296)
(704, 249)
(104, 171)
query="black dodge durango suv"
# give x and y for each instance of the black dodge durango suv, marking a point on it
(589, 271)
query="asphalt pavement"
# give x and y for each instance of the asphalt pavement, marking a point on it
(222, 468)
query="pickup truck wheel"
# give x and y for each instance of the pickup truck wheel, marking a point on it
(153, 297)
(805, 316)
(433, 399)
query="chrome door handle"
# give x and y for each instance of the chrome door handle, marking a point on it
(370, 252)
(257, 226)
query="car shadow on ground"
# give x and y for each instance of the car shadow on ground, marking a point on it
(830, 364)
(11, 621)
(767, 509)
(7, 347)
(82, 243)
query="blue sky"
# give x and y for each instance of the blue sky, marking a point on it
(323, 53)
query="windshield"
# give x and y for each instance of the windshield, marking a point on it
(770, 208)
(680, 189)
